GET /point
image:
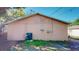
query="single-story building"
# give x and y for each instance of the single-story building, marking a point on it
(73, 31)
(41, 26)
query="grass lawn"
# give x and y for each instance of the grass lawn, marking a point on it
(44, 43)
(41, 45)
(36, 43)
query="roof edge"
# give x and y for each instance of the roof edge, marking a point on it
(37, 14)
(53, 18)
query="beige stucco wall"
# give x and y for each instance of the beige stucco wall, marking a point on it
(52, 30)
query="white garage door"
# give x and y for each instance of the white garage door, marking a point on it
(75, 32)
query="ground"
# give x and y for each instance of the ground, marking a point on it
(6, 45)
(40, 45)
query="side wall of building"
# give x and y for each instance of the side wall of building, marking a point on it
(60, 31)
(43, 28)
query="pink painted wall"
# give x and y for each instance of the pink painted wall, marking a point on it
(15, 31)
(52, 30)
(60, 31)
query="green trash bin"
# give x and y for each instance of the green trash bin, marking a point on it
(28, 36)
